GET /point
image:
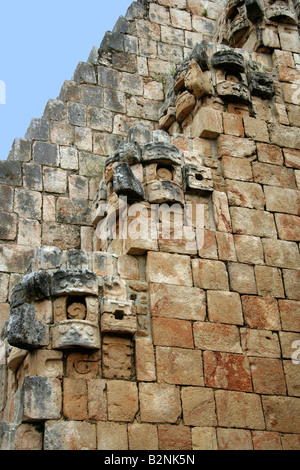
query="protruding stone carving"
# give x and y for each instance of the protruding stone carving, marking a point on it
(75, 333)
(117, 316)
(24, 331)
(198, 179)
(125, 183)
(76, 281)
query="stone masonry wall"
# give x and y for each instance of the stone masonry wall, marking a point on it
(149, 345)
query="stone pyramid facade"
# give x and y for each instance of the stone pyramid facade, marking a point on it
(149, 240)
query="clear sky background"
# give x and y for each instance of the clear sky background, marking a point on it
(41, 44)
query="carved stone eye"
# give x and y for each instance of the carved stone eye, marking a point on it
(164, 173)
(77, 311)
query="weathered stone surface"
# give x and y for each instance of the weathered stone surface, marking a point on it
(242, 278)
(260, 343)
(267, 376)
(204, 438)
(253, 222)
(172, 332)
(234, 439)
(69, 435)
(224, 307)
(261, 312)
(239, 409)
(42, 398)
(291, 283)
(269, 281)
(145, 361)
(159, 403)
(24, 331)
(245, 195)
(249, 249)
(230, 146)
(282, 200)
(142, 436)
(122, 400)
(228, 371)
(169, 269)
(189, 303)
(75, 333)
(217, 337)
(74, 281)
(281, 253)
(112, 436)
(280, 413)
(289, 314)
(174, 437)
(179, 366)
(210, 275)
(207, 123)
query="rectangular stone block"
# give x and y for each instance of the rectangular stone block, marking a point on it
(249, 249)
(230, 146)
(122, 400)
(289, 314)
(253, 222)
(261, 312)
(142, 436)
(267, 376)
(169, 269)
(260, 343)
(280, 413)
(242, 278)
(6, 198)
(159, 403)
(291, 283)
(239, 410)
(269, 154)
(269, 281)
(237, 169)
(112, 436)
(256, 129)
(10, 172)
(172, 332)
(145, 360)
(282, 254)
(221, 211)
(69, 435)
(75, 399)
(188, 304)
(63, 236)
(224, 307)
(38, 130)
(245, 194)
(284, 136)
(207, 123)
(234, 439)
(282, 200)
(209, 274)
(45, 153)
(228, 371)
(217, 337)
(198, 405)
(42, 398)
(8, 226)
(179, 366)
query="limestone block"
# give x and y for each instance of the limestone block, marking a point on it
(45, 153)
(184, 105)
(145, 361)
(221, 211)
(267, 375)
(159, 192)
(210, 274)
(292, 283)
(161, 152)
(234, 439)
(231, 146)
(279, 412)
(253, 222)
(229, 371)
(114, 287)
(172, 332)
(83, 365)
(217, 337)
(38, 130)
(245, 194)
(289, 314)
(188, 304)
(269, 281)
(249, 249)
(239, 409)
(159, 403)
(142, 436)
(198, 82)
(207, 123)
(122, 400)
(281, 253)
(204, 438)
(110, 435)
(42, 398)
(24, 331)
(179, 366)
(261, 312)
(224, 307)
(260, 343)
(198, 178)
(69, 435)
(169, 268)
(282, 200)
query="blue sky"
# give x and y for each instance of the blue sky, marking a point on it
(41, 44)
